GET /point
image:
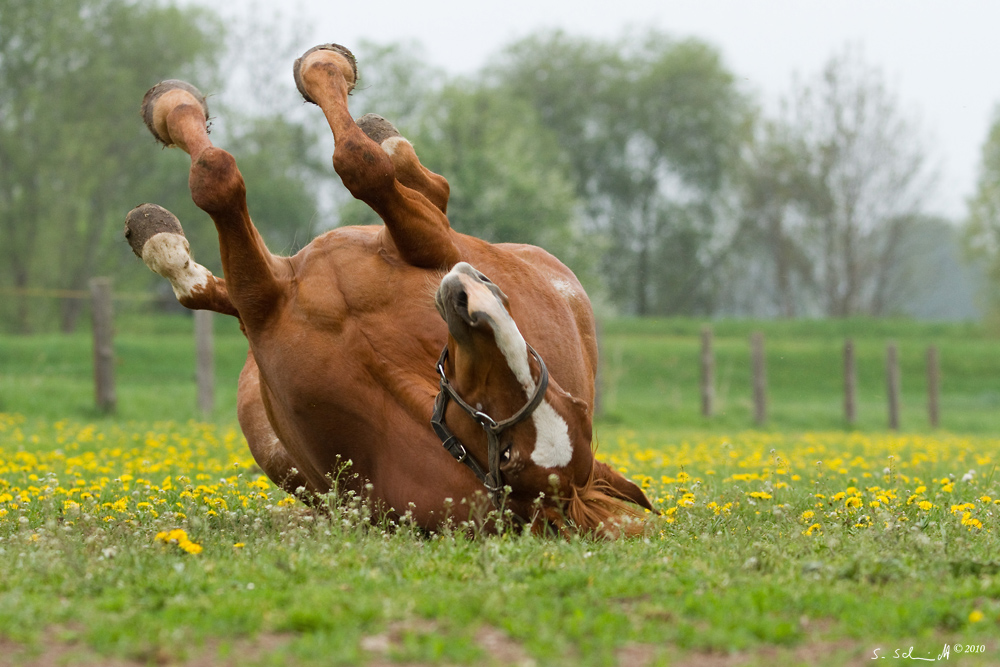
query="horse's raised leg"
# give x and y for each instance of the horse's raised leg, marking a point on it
(157, 238)
(176, 114)
(417, 227)
(409, 171)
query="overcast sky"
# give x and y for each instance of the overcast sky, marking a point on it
(940, 56)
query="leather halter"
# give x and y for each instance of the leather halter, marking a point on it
(493, 479)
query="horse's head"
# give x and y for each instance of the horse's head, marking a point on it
(521, 430)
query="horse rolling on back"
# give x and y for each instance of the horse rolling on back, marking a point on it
(369, 334)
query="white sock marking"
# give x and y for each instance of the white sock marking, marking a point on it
(169, 255)
(390, 144)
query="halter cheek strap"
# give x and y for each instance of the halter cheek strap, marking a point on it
(492, 478)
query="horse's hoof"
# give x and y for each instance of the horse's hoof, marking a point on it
(163, 98)
(146, 221)
(377, 128)
(351, 77)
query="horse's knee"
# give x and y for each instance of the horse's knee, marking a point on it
(215, 181)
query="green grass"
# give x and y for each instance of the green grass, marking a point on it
(51, 376)
(89, 583)
(733, 568)
(650, 372)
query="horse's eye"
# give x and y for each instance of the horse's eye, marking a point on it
(505, 454)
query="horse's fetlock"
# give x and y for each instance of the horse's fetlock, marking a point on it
(215, 181)
(362, 168)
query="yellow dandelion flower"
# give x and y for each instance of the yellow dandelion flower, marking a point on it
(976, 616)
(925, 505)
(190, 547)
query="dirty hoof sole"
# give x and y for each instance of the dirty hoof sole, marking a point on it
(153, 95)
(336, 48)
(146, 221)
(377, 128)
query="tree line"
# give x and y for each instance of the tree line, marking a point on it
(643, 162)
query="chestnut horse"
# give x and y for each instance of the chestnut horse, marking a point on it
(369, 334)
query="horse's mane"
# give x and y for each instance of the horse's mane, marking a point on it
(594, 509)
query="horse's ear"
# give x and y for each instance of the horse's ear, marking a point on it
(617, 486)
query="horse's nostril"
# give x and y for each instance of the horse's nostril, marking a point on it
(462, 303)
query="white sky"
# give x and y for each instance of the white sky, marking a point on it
(940, 56)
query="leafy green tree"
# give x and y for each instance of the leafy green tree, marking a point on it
(770, 271)
(871, 182)
(652, 128)
(396, 82)
(508, 178)
(72, 154)
(508, 181)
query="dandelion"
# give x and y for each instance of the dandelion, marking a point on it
(976, 616)
(178, 538)
(970, 521)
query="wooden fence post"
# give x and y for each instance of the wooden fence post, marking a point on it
(205, 370)
(933, 386)
(850, 383)
(759, 378)
(707, 373)
(104, 353)
(892, 384)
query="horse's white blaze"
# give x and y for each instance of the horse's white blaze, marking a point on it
(553, 448)
(169, 255)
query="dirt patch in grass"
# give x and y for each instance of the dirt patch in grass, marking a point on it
(56, 651)
(499, 648)
(815, 653)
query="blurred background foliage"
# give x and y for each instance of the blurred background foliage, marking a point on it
(641, 162)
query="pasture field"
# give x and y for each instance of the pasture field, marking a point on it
(151, 538)
(161, 543)
(650, 373)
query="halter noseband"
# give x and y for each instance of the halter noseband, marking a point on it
(493, 479)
